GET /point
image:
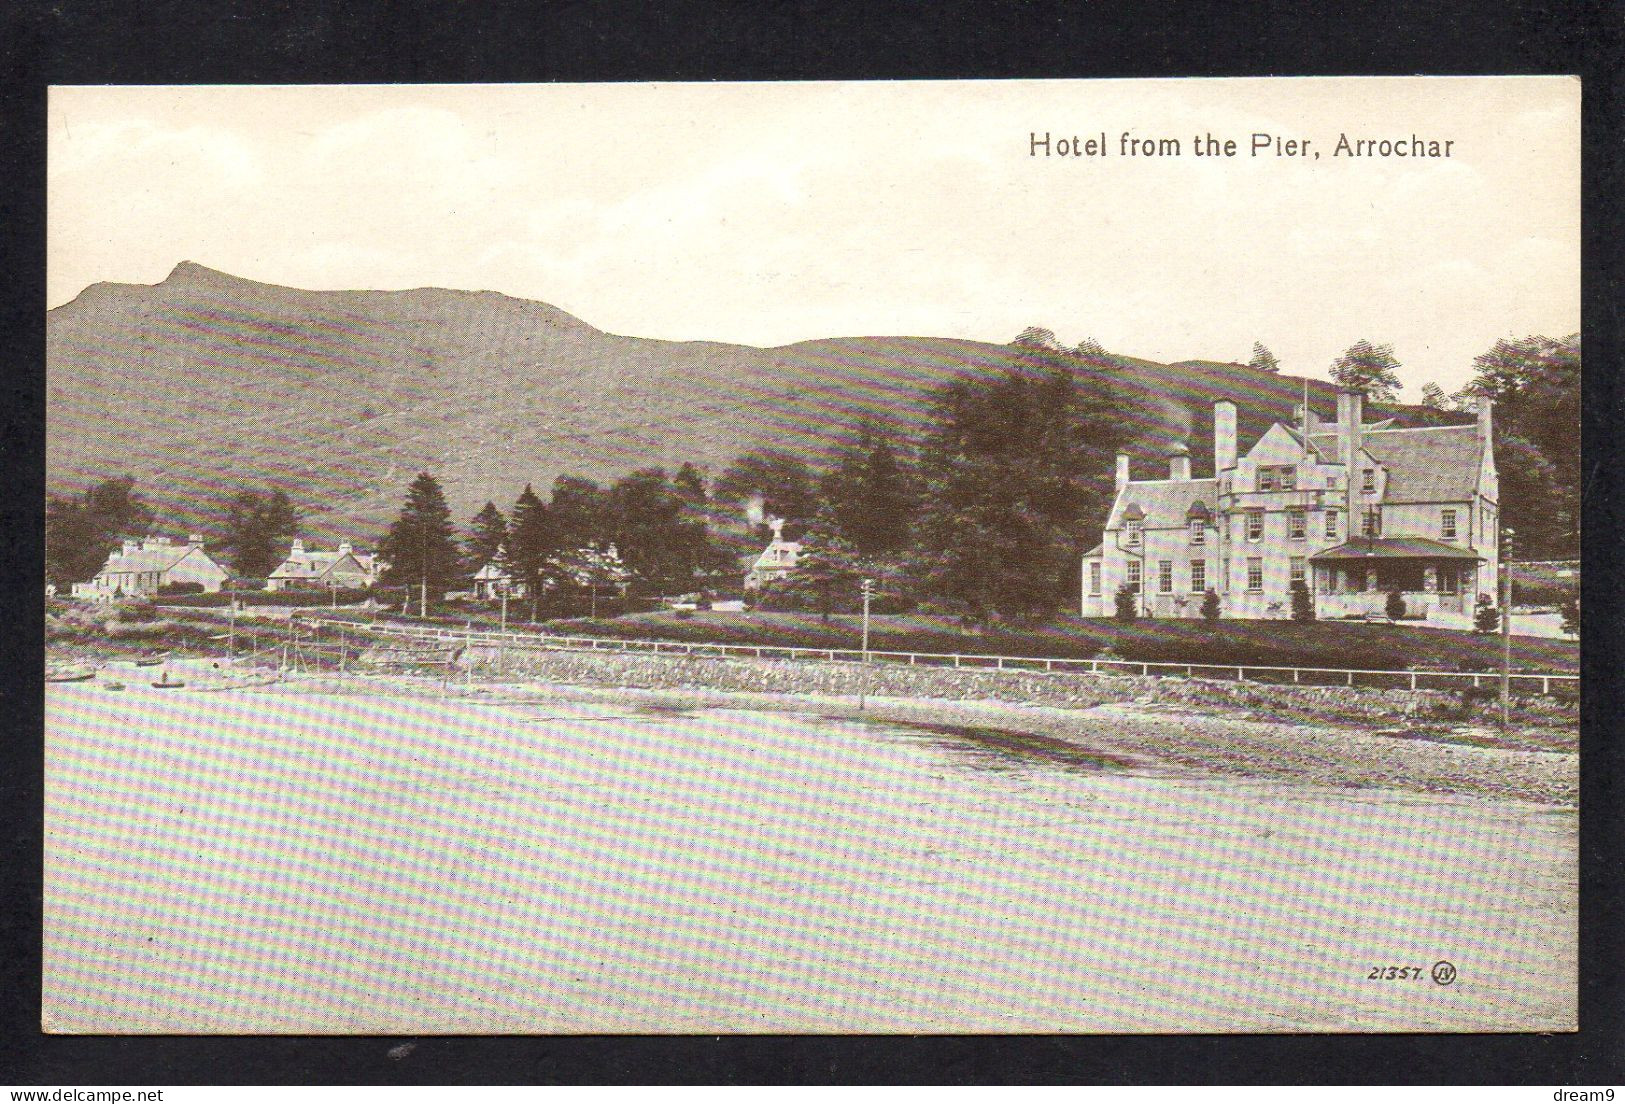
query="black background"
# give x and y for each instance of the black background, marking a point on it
(352, 41)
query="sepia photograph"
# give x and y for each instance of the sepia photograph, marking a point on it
(883, 557)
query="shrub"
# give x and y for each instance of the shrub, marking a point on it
(1210, 604)
(1127, 601)
(1303, 603)
(135, 611)
(1571, 615)
(180, 588)
(1486, 618)
(1395, 606)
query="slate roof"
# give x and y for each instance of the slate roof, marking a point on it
(1396, 548)
(311, 564)
(1439, 464)
(1165, 502)
(156, 558)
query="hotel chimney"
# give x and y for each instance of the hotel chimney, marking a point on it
(1122, 471)
(1224, 436)
(1179, 463)
(1350, 411)
(1486, 410)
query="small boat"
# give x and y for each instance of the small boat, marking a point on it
(70, 674)
(151, 661)
(165, 684)
(114, 685)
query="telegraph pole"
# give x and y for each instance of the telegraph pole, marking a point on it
(1506, 625)
(863, 681)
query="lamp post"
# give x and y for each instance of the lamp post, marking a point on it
(1505, 552)
(863, 681)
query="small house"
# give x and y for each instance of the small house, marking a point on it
(145, 567)
(340, 568)
(777, 560)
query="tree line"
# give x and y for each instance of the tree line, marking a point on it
(984, 513)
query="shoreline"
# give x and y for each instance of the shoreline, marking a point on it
(1394, 740)
(1427, 758)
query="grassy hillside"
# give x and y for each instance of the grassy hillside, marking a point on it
(207, 382)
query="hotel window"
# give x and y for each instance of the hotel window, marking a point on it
(1132, 528)
(1134, 576)
(1165, 576)
(1255, 525)
(1198, 530)
(1266, 479)
(1331, 524)
(1289, 478)
(1447, 580)
(1371, 524)
(1447, 525)
(1297, 525)
(1255, 573)
(1370, 481)
(1094, 577)
(1297, 570)
(1198, 576)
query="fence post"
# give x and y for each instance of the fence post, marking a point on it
(1351, 678)
(1413, 680)
(1545, 685)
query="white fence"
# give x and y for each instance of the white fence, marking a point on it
(1546, 683)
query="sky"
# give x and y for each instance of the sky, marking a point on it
(766, 214)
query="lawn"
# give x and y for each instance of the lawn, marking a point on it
(1265, 643)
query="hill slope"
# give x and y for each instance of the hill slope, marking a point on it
(205, 383)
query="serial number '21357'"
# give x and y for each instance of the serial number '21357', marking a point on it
(1394, 973)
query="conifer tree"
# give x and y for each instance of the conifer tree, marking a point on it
(487, 537)
(531, 540)
(828, 566)
(577, 510)
(1263, 359)
(420, 547)
(871, 496)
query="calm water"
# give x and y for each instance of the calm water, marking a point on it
(277, 861)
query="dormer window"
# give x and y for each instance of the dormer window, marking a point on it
(1369, 485)
(1131, 530)
(1198, 531)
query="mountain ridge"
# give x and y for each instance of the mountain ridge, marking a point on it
(207, 382)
